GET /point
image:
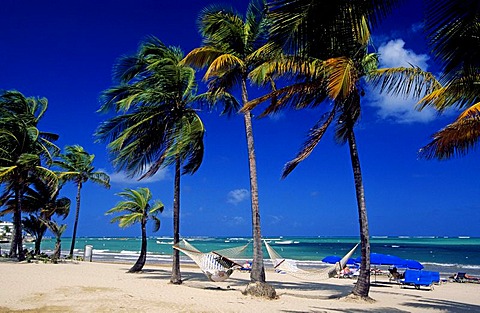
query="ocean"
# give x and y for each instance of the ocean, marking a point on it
(447, 255)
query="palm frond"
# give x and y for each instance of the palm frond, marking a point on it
(223, 64)
(460, 92)
(314, 137)
(457, 138)
(342, 77)
(453, 28)
(201, 57)
(405, 81)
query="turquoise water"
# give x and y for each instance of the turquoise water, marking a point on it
(447, 255)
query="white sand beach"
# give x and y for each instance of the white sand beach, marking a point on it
(102, 287)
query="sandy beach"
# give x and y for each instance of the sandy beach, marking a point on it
(104, 287)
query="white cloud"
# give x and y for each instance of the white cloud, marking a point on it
(274, 219)
(278, 116)
(238, 195)
(237, 220)
(122, 178)
(394, 54)
(417, 27)
(399, 109)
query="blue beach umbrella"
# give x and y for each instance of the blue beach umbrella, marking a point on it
(392, 260)
(332, 259)
(412, 264)
(384, 259)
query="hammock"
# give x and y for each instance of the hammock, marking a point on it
(215, 265)
(289, 266)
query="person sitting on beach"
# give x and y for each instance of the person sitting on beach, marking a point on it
(345, 272)
(247, 266)
(394, 274)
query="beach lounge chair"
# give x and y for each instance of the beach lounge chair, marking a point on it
(419, 279)
(461, 277)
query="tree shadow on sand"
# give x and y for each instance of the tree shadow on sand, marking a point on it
(443, 305)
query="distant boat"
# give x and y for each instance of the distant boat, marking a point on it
(284, 242)
(463, 237)
(165, 243)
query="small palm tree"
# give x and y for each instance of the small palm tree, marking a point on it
(78, 167)
(57, 231)
(137, 209)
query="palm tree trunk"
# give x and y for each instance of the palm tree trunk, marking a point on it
(77, 213)
(176, 275)
(138, 266)
(362, 287)
(57, 251)
(16, 249)
(38, 242)
(258, 270)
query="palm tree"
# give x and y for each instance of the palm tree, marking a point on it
(231, 49)
(57, 231)
(156, 126)
(453, 34)
(24, 148)
(42, 202)
(329, 42)
(78, 167)
(137, 209)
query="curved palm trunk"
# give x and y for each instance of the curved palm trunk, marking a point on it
(176, 275)
(258, 270)
(77, 213)
(138, 266)
(58, 249)
(16, 248)
(362, 287)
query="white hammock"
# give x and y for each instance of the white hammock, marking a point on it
(215, 265)
(289, 266)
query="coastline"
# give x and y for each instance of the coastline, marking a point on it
(106, 287)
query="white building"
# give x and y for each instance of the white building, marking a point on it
(6, 229)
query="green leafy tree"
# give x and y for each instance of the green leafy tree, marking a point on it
(231, 49)
(23, 148)
(156, 125)
(136, 208)
(78, 168)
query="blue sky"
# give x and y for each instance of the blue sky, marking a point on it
(65, 50)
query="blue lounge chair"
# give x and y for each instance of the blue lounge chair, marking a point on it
(420, 278)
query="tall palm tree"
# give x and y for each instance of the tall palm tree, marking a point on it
(78, 167)
(329, 42)
(136, 208)
(156, 125)
(231, 49)
(23, 148)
